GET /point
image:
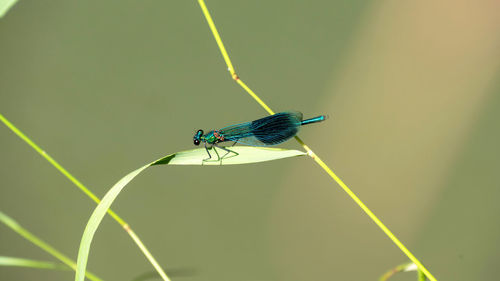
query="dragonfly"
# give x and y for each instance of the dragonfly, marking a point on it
(267, 131)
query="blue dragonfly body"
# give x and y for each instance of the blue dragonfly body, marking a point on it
(270, 130)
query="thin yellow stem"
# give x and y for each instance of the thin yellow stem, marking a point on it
(57, 166)
(254, 96)
(309, 151)
(223, 51)
(146, 252)
(211, 24)
(85, 190)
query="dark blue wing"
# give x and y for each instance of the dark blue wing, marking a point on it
(266, 131)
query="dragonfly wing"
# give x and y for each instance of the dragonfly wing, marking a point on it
(277, 128)
(236, 132)
(269, 130)
(254, 141)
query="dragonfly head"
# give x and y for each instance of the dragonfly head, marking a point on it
(198, 137)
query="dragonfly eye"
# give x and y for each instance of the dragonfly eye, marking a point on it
(197, 137)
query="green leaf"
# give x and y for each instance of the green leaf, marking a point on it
(409, 266)
(5, 5)
(95, 220)
(421, 276)
(245, 154)
(11, 261)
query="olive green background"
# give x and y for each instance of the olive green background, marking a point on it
(411, 88)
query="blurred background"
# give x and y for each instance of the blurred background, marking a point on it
(412, 90)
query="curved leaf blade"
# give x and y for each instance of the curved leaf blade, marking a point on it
(245, 154)
(95, 220)
(5, 5)
(20, 262)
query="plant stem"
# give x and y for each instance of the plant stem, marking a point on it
(147, 253)
(315, 157)
(87, 192)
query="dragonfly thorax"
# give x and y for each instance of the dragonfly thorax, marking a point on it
(211, 137)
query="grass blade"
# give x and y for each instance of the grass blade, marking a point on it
(95, 220)
(410, 266)
(188, 157)
(5, 5)
(11, 261)
(246, 155)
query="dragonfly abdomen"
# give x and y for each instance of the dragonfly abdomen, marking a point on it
(266, 131)
(314, 120)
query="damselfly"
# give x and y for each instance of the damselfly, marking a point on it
(270, 130)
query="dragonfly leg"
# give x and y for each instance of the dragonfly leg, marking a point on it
(215, 150)
(227, 152)
(210, 156)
